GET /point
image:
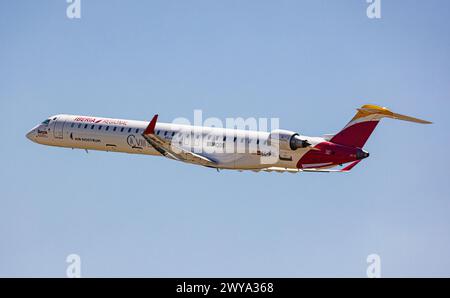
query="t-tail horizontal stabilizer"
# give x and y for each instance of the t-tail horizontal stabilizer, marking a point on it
(344, 170)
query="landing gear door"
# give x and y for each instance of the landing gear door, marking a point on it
(58, 128)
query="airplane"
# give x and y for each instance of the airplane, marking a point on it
(219, 148)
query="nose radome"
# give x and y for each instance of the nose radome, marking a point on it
(30, 135)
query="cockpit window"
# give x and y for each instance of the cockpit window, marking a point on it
(46, 122)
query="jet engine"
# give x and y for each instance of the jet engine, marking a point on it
(287, 140)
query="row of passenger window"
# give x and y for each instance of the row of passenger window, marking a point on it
(158, 132)
(224, 139)
(105, 127)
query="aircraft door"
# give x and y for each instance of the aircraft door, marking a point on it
(58, 128)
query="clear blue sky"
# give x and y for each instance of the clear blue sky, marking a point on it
(310, 63)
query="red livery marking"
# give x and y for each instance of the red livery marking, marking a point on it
(328, 152)
(105, 121)
(355, 135)
(350, 166)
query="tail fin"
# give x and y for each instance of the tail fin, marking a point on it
(359, 129)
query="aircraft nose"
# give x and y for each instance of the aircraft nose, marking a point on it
(30, 135)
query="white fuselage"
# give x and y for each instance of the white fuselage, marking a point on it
(117, 135)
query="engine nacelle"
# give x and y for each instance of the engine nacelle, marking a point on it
(287, 140)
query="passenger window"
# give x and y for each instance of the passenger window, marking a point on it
(73, 124)
(100, 127)
(107, 128)
(114, 129)
(137, 130)
(92, 127)
(129, 130)
(79, 125)
(121, 130)
(85, 126)
(173, 133)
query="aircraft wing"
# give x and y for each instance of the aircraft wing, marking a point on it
(290, 170)
(170, 150)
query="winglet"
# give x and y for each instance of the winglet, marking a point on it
(350, 166)
(151, 127)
